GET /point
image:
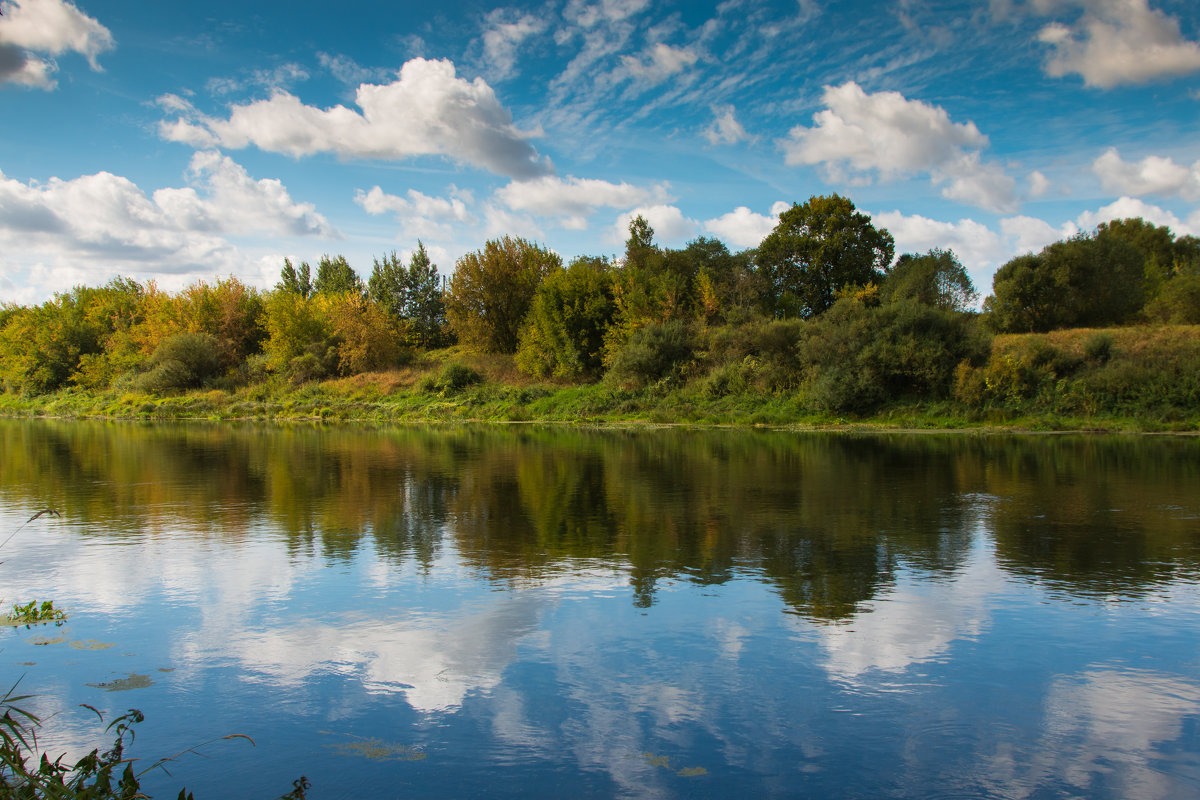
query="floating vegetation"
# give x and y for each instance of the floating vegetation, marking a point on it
(378, 750)
(33, 613)
(665, 762)
(134, 681)
(92, 644)
(44, 640)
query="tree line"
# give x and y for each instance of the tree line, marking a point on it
(821, 303)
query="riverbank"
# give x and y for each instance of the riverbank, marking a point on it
(1138, 379)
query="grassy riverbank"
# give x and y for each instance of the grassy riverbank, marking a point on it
(1121, 379)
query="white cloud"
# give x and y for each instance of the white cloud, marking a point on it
(420, 216)
(498, 222)
(235, 203)
(348, 71)
(655, 65)
(1126, 207)
(979, 248)
(573, 200)
(669, 224)
(1151, 175)
(589, 15)
(1039, 184)
(428, 110)
(1029, 234)
(505, 35)
(74, 231)
(51, 27)
(859, 135)
(725, 129)
(1119, 42)
(277, 78)
(744, 228)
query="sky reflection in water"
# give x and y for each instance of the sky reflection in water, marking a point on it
(529, 612)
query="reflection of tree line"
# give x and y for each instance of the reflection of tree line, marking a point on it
(827, 519)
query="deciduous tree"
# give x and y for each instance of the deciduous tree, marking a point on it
(815, 250)
(492, 289)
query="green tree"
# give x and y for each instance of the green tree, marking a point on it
(563, 334)
(296, 281)
(650, 286)
(388, 284)
(492, 290)
(1084, 281)
(424, 305)
(815, 250)
(724, 283)
(336, 276)
(936, 278)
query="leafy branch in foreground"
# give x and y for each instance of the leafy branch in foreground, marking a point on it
(107, 775)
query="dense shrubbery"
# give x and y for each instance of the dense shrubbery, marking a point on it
(816, 318)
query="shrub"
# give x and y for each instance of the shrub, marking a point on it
(1098, 348)
(654, 352)
(182, 361)
(454, 377)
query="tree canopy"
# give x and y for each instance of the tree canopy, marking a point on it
(936, 278)
(492, 289)
(1085, 281)
(816, 249)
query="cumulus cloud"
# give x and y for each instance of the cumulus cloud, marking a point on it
(859, 135)
(427, 110)
(50, 27)
(1126, 207)
(1039, 184)
(1119, 42)
(725, 129)
(669, 224)
(235, 203)
(979, 248)
(419, 215)
(1151, 175)
(744, 228)
(573, 200)
(1029, 234)
(105, 223)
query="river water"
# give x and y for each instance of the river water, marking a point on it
(530, 611)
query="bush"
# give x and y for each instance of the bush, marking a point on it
(855, 358)
(182, 361)
(1098, 348)
(454, 377)
(654, 352)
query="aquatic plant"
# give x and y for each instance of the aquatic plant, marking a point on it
(27, 773)
(33, 613)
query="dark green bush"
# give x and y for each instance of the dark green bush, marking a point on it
(654, 352)
(454, 377)
(1098, 348)
(182, 361)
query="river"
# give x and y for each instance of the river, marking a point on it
(525, 611)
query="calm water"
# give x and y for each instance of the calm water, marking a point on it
(528, 612)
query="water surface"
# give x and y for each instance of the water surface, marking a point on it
(547, 612)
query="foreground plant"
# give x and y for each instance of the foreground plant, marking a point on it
(107, 775)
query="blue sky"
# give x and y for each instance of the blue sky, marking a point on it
(185, 141)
